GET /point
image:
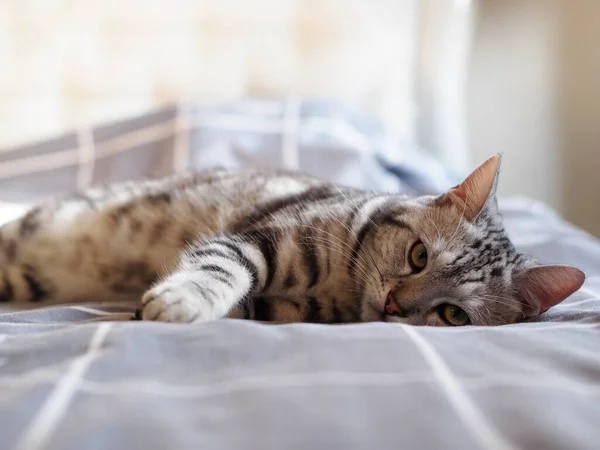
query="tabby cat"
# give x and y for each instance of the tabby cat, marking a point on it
(280, 246)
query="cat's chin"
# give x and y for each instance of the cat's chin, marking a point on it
(394, 319)
(373, 313)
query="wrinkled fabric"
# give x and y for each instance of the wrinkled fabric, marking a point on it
(82, 376)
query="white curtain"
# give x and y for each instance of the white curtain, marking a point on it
(66, 63)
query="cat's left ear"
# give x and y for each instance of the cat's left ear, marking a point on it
(542, 287)
(478, 190)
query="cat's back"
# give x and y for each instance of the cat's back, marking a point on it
(251, 185)
(235, 193)
(158, 216)
(206, 201)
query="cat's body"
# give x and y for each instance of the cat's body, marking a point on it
(278, 246)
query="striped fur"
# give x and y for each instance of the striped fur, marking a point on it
(262, 245)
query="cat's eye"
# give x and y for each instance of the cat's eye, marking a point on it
(453, 315)
(417, 258)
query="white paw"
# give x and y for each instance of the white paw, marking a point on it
(182, 301)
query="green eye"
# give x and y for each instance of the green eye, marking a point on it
(453, 315)
(417, 257)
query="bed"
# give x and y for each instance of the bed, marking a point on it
(83, 376)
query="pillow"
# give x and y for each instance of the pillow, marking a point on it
(321, 138)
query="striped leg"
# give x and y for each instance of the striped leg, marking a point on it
(213, 276)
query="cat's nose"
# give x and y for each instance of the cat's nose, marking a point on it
(392, 308)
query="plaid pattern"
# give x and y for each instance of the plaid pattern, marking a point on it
(79, 376)
(319, 138)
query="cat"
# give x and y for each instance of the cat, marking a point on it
(285, 247)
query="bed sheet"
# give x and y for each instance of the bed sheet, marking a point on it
(82, 376)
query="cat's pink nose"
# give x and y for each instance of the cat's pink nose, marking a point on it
(391, 307)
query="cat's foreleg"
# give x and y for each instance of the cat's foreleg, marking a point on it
(212, 277)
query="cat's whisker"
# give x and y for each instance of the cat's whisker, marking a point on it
(346, 253)
(368, 253)
(497, 300)
(503, 300)
(343, 243)
(509, 299)
(342, 248)
(350, 232)
(437, 230)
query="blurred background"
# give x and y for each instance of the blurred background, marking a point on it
(462, 79)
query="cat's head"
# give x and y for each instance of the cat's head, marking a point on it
(447, 260)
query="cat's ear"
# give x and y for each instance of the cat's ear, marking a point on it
(542, 287)
(478, 189)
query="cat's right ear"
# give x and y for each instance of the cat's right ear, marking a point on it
(542, 287)
(477, 190)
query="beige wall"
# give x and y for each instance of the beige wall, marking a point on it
(65, 63)
(534, 94)
(579, 81)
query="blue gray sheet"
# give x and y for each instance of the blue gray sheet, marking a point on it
(80, 376)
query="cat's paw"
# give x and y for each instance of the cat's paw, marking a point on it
(182, 301)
